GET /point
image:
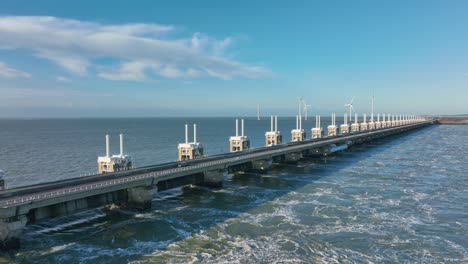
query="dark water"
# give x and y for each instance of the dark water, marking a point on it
(399, 200)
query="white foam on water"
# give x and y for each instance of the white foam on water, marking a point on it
(181, 232)
(323, 191)
(340, 227)
(381, 164)
(418, 196)
(145, 246)
(460, 249)
(58, 248)
(228, 191)
(68, 224)
(178, 208)
(391, 202)
(144, 215)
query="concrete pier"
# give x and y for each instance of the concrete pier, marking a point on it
(317, 131)
(190, 150)
(383, 124)
(378, 124)
(114, 163)
(293, 157)
(355, 128)
(273, 137)
(214, 178)
(372, 125)
(364, 125)
(140, 197)
(344, 128)
(261, 165)
(10, 231)
(239, 143)
(393, 122)
(332, 129)
(298, 134)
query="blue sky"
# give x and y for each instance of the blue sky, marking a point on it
(222, 58)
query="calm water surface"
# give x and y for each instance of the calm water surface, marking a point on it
(399, 200)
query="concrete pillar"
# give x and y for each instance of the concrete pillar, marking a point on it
(317, 152)
(293, 157)
(214, 178)
(261, 165)
(140, 197)
(10, 229)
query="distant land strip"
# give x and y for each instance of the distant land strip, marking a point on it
(453, 120)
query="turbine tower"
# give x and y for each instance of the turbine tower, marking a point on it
(351, 108)
(299, 104)
(258, 111)
(306, 108)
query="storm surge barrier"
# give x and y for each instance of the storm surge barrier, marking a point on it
(135, 187)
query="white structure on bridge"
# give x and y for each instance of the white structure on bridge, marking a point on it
(273, 137)
(364, 124)
(378, 124)
(317, 131)
(389, 120)
(298, 134)
(371, 125)
(332, 129)
(344, 128)
(355, 125)
(384, 123)
(190, 150)
(239, 143)
(114, 163)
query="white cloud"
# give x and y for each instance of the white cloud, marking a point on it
(70, 62)
(8, 72)
(142, 50)
(62, 79)
(130, 71)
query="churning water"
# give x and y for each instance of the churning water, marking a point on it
(398, 200)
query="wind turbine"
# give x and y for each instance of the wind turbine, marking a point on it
(306, 108)
(350, 105)
(258, 112)
(299, 103)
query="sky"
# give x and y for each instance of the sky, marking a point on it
(223, 58)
